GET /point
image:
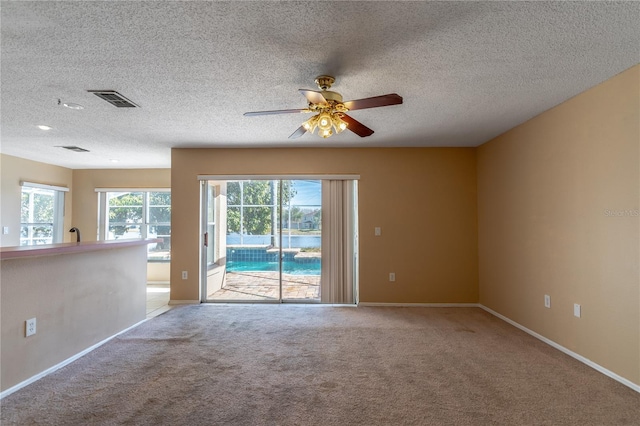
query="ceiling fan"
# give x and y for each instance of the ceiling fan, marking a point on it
(331, 111)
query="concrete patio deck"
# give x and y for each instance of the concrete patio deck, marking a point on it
(265, 286)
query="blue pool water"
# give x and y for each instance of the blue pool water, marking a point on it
(293, 268)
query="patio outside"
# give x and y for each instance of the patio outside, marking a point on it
(266, 286)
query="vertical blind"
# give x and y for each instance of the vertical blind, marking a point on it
(338, 241)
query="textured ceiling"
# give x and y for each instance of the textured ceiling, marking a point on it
(468, 71)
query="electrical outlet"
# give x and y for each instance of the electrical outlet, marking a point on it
(577, 310)
(547, 301)
(185, 275)
(392, 276)
(377, 231)
(30, 329)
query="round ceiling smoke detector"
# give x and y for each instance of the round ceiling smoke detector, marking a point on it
(71, 105)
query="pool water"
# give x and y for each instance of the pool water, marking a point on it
(293, 268)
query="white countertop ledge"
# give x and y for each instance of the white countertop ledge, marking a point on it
(66, 248)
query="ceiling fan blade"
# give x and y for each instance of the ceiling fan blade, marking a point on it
(279, 111)
(376, 101)
(299, 132)
(313, 96)
(357, 127)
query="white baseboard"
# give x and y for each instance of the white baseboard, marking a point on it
(184, 302)
(421, 305)
(569, 352)
(63, 363)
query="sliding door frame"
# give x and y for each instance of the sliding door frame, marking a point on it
(203, 212)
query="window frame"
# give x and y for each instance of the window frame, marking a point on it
(103, 213)
(57, 224)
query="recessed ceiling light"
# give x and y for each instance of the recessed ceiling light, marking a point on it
(71, 105)
(113, 160)
(44, 127)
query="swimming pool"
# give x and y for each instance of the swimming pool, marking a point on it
(288, 267)
(287, 240)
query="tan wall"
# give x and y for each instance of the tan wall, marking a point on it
(81, 200)
(549, 194)
(12, 171)
(86, 199)
(424, 199)
(158, 272)
(77, 299)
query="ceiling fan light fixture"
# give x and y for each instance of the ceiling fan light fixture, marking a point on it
(324, 121)
(327, 123)
(338, 123)
(325, 133)
(311, 124)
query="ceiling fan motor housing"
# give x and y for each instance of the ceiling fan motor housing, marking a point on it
(332, 96)
(333, 103)
(324, 82)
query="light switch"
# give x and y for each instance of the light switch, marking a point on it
(576, 310)
(5, 230)
(377, 231)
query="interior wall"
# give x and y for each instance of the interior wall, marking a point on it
(558, 201)
(77, 299)
(424, 199)
(158, 272)
(12, 171)
(86, 202)
(81, 202)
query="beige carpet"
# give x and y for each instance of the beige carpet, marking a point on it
(315, 365)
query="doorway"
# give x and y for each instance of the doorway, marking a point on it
(262, 240)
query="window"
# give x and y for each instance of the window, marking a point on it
(132, 213)
(42, 214)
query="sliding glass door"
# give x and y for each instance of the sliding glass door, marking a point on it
(252, 257)
(266, 243)
(301, 239)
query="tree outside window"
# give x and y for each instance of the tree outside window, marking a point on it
(252, 206)
(141, 214)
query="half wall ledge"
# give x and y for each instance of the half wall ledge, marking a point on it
(64, 248)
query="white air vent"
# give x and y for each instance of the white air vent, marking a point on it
(114, 98)
(74, 148)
